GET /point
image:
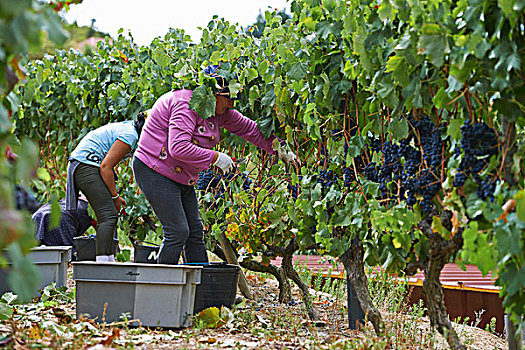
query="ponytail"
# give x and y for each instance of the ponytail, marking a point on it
(139, 122)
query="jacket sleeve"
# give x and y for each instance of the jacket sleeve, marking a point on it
(237, 124)
(181, 126)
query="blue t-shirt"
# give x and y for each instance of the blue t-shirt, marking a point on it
(96, 144)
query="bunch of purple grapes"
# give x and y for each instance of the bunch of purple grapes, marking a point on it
(326, 178)
(210, 180)
(410, 169)
(479, 143)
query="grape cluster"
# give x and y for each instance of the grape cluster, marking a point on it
(210, 182)
(349, 176)
(479, 143)
(246, 182)
(409, 169)
(205, 178)
(326, 178)
(25, 200)
(294, 190)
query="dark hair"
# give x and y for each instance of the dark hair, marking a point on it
(221, 81)
(212, 71)
(139, 122)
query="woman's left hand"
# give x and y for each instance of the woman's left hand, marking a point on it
(120, 203)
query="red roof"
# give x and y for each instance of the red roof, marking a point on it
(91, 41)
(451, 275)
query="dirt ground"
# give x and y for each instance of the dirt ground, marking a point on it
(264, 323)
(261, 323)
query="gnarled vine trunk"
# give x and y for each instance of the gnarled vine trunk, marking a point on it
(353, 261)
(285, 289)
(440, 251)
(283, 275)
(294, 276)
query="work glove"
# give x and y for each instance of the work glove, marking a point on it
(224, 162)
(286, 156)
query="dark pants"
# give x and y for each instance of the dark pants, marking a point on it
(89, 181)
(177, 208)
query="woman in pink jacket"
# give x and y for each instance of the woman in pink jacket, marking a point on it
(176, 144)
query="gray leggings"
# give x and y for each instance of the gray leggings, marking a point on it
(177, 208)
(89, 181)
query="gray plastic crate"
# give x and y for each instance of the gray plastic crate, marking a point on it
(50, 260)
(158, 295)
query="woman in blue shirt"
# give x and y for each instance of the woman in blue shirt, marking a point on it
(91, 170)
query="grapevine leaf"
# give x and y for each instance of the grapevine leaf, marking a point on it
(454, 128)
(341, 218)
(161, 58)
(514, 61)
(210, 318)
(399, 128)
(441, 99)
(26, 164)
(6, 311)
(268, 98)
(359, 46)
(398, 65)
(520, 206)
(385, 10)
(203, 102)
(25, 277)
(507, 6)
(435, 46)
(325, 28)
(43, 174)
(56, 213)
(462, 73)
(54, 28)
(298, 71)
(266, 126)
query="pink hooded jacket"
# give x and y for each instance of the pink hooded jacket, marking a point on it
(177, 143)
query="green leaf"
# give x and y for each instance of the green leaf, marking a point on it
(514, 61)
(385, 10)
(161, 58)
(359, 47)
(203, 102)
(124, 255)
(399, 128)
(454, 128)
(209, 318)
(435, 46)
(266, 126)
(341, 218)
(27, 162)
(298, 71)
(53, 26)
(56, 213)
(520, 205)
(441, 99)
(268, 98)
(507, 6)
(325, 28)
(398, 65)
(462, 73)
(43, 174)
(24, 277)
(6, 311)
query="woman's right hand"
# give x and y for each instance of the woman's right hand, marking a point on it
(224, 162)
(120, 203)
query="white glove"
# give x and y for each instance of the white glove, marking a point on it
(286, 156)
(224, 162)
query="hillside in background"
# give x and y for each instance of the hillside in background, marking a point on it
(80, 37)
